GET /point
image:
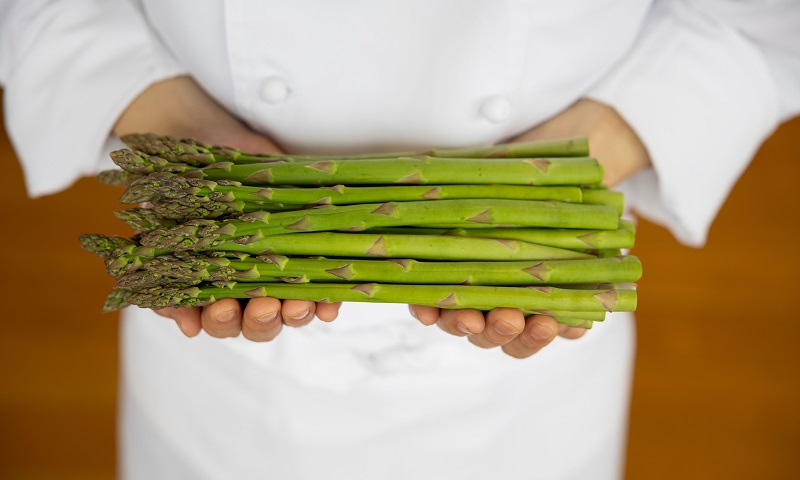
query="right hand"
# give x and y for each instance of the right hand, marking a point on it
(618, 148)
(179, 107)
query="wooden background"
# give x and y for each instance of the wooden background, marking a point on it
(716, 391)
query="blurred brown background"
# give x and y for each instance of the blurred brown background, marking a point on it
(716, 392)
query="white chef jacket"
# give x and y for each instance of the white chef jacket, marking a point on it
(374, 394)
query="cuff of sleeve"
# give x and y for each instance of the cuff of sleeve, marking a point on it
(76, 67)
(702, 100)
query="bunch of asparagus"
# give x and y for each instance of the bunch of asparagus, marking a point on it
(526, 225)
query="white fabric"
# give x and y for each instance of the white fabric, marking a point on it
(702, 96)
(375, 395)
(372, 395)
(69, 68)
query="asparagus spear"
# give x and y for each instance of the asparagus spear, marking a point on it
(195, 153)
(399, 170)
(422, 247)
(408, 271)
(442, 296)
(120, 252)
(151, 189)
(361, 217)
(573, 239)
(601, 196)
(574, 321)
(562, 147)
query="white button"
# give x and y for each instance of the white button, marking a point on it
(496, 109)
(274, 90)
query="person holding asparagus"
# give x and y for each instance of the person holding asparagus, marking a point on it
(674, 98)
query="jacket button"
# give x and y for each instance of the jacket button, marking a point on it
(496, 109)
(274, 90)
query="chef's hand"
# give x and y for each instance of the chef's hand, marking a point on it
(617, 147)
(180, 108)
(518, 336)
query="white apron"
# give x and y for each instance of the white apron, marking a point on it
(373, 395)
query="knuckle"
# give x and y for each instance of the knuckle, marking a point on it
(449, 326)
(261, 335)
(514, 350)
(481, 341)
(574, 333)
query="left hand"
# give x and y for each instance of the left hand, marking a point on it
(617, 147)
(179, 107)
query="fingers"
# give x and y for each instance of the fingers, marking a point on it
(327, 312)
(296, 313)
(539, 331)
(261, 321)
(188, 319)
(502, 326)
(571, 333)
(426, 315)
(222, 319)
(461, 322)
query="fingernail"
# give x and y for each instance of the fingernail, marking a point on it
(298, 316)
(413, 314)
(463, 328)
(266, 318)
(541, 332)
(226, 317)
(505, 328)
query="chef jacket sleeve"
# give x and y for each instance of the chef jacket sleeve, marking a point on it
(705, 84)
(68, 69)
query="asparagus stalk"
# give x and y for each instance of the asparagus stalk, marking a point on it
(361, 217)
(192, 152)
(149, 189)
(573, 239)
(574, 321)
(363, 245)
(422, 247)
(600, 196)
(562, 147)
(576, 317)
(399, 170)
(408, 271)
(442, 296)
(122, 256)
